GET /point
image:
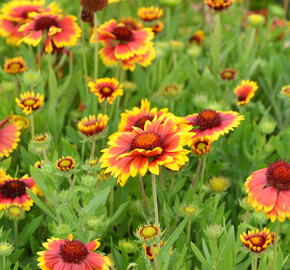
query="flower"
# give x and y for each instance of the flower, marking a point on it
(65, 164)
(286, 90)
(213, 123)
(38, 164)
(71, 254)
(218, 184)
(40, 143)
(56, 30)
(269, 190)
(14, 212)
(13, 191)
(15, 65)
(151, 253)
(131, 23)
(256, 19)
(21, 121)
(157, 27)
(30, 102)
(172, 90)
(149, 14)
(201, 145)
(198, 37)
(218, 4)
(188, 210)
(258, 241)
(160, 143)
(93, 126)
(6, 249)
(228, 74)
(9, 137)
(148, 232)
(245, 91)
(106, 89)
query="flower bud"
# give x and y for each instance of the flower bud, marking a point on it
(256, 19)
(87, 15)
(127, 246)
(31, 78)
(14, 212)
(267, 125)
(214, 231)
(6, 249)
(218, 184)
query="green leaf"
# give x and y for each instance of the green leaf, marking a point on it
(199, 256)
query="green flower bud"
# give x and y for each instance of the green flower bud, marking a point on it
(31, 78)
(256, 19)
(267, 125)
(14, 212)
(127, 246)
(170, 2)
(6, 249)
(214, 231)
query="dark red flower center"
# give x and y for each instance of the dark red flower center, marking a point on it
(257, 240)
(147, 141)
(140, 123)
(73, 252)
(208, 119)
(106, 91)
(123, 33)
(12, 189)
(278, 175)
(44, 23)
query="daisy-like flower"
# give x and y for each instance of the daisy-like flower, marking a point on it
(9, 137)
(21, 121)
(30, 102)
(201, 145)
(15, 13)
(92, 126)
(198, 37)
(15, 65)
(138, 116)
(13, 191)
(148, 232)
(71, 254)
(160, 143)
(245, 91)
(65, 164)
(157, 27)
(213, 123)
(286, 90)
(151, 253)
(149, 14)
(258, 241)
(218, 4)
(38, 164)
(106, 89)
(57, 31)
(228, 74)
(269, 190)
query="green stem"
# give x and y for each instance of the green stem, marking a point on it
(84, 56)
(154, 257)
(15, 225)
(93, 148)
(202, 173)
(197, 173)
(83, 150)
(254, 262)
(112, 201)
(144, 197)
(286, 8)
(32, 128)
(188, 230)
(155, 201)
(105, 107)
(216, 42)
(277, 230)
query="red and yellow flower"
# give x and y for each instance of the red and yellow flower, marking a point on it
(151, 253)
(258, 241)
(228, 74)
(9, 137)
(218, 4)
(160, 143)
(13, 191)
(286, 90)
(198, 37)
(149, 14)
(201, 145)
(57, 31)
(269, 190)
(245, 91)
(30, 102)
(148, 232)
(131, 23)
(106, 89)
(65, 164)
(71, 254)
(38, 164)
(92, 126)
(21, 121)
(15, 65)
(157, 27)
(213, 123)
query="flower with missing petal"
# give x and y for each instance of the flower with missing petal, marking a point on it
(65, 164)
(245, 91)
(151, 253)
(258, 241)
(149, 14)
(71, 254)
(213, 123)
(30, 102)
(286, 90)
(15, 65)
(218, 5)
(93, 126)
(269, 190)
(38, 164)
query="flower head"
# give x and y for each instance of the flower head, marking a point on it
(30, 102)
(94, 5)
(6, 249)
(151, 253)
(9, 137)
(160, 143)
(14, 212)
(228, 74)
(13, 191)
(258, 241)
(157, 27)
(172, 91)
(198, 37)
(201, 145)
(245, 91)
(148, 232)
(213, 123)
(218, 5)
(38, 164)
(106, 89)
(57, 31)
(40, 143)
(65, 164)
(71, 253)
(149, 14)
(15, 65)
(21, 121)
(286, 90)
(269, 190)
(93, 126)
(218, 184)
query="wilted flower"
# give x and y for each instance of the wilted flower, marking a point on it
(151, 253)
(15, 65)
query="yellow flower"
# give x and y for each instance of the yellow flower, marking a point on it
(15, 65)
(30, 102)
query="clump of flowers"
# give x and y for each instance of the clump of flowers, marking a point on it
(245, 91)
(30, 102)
(15, 65)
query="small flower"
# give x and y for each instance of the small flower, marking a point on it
(21, 121)
(286, 90)
(258, 241)
(40, 143)
(172, 90)
(70, 253)
(30, 102)
(38, 164)
(198, 37)
(214, 231)
(188, 210)
(151, 253)
(65, 164)
(106, 89)
(148, 232)
(149, 14)
(157, 27)
(201, 145)
(245, 91)
(218, 184)
(127, 246)
(228, 74)
(93, 162)
(218, 5)
(6, 249)
(256, 19)
(15, 65)
(93, 126)
(31, 78)
(14, 212)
